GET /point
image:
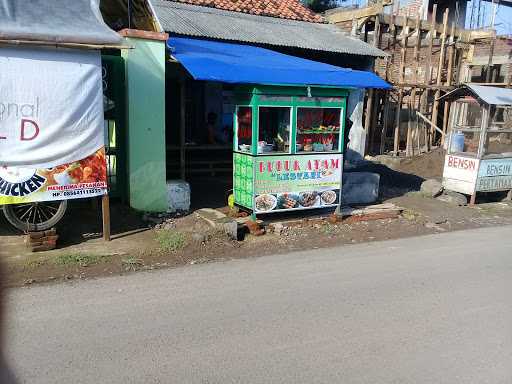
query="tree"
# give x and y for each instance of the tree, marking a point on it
(321, 5)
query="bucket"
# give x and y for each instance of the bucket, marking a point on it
(457, 143)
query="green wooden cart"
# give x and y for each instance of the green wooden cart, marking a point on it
(288, 147)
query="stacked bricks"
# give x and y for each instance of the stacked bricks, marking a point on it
(42, 240)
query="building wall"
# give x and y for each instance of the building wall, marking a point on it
(145, 87)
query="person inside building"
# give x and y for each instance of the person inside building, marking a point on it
(211, 127)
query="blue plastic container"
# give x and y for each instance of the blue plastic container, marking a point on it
(457, 144)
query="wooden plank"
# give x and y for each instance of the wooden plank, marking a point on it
(424, 118)
(361, 13)
(105, 213)
(425, 25)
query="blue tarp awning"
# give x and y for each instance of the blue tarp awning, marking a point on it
(245, 64)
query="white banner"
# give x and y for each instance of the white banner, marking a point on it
(51, 106)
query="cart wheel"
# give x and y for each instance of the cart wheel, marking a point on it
(38, 216)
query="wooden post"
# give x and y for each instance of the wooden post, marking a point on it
(509, 75)
(368, 118)
(489, 63)
(451, 58)
(396, 145)
(412, 103)
(371, 93)
(183, 117)
(385, 117)
(428, 72)
(435, 109)
(486, 117)
(105, 210)
(401, 80)
(371, 111)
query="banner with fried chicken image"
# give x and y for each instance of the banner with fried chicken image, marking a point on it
(79, 179)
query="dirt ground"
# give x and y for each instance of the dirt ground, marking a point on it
(139, 243)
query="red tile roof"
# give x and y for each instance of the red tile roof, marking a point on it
(284, 9)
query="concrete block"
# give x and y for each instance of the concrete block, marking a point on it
(178, 196)
(360, 188)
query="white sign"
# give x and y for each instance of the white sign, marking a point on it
(460, 173)
(51, 106)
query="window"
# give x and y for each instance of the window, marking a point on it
(244, 128)
(318, 129)
(467, 123)
(274, 129)
(498, 141)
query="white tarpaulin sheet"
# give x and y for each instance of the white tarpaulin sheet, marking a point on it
(51, 106)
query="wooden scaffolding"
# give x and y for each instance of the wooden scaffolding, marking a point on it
(425, 59)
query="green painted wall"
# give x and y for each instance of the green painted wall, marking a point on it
(145, 89)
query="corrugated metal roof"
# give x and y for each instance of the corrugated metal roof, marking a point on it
(196, 21)
(55, 21)
(487, 94)
(492, 95)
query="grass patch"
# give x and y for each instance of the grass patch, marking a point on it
(36, 263)
(170, 241)
(81, 259)
(410, 215)
(132, 263)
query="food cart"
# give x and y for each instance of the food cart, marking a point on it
(479, 146)
(288, 147)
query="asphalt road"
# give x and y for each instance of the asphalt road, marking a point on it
(435, 309)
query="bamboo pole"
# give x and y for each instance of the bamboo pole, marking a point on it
(435, 109)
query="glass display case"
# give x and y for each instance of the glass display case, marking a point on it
(288, 147)
(479, 145)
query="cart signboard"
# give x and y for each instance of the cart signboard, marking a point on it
(51, 125)
(297, 182)
(494, 175)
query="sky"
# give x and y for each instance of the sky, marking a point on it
(503, 21)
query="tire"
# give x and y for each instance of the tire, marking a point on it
(38, 216)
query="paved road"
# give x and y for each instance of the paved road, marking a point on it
(435, 309)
